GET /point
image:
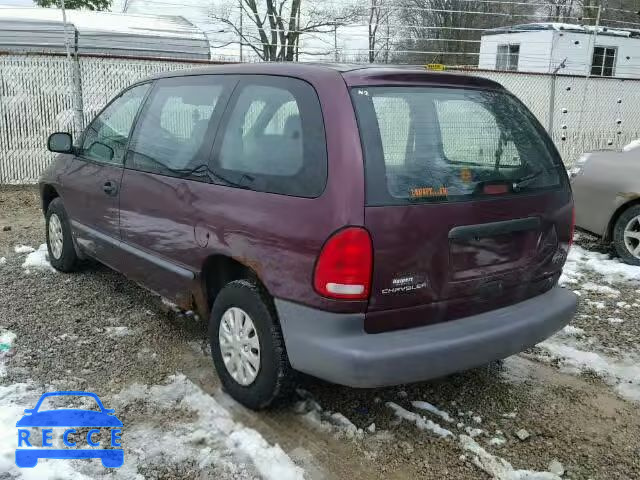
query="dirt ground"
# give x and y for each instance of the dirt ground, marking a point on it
(580, 420)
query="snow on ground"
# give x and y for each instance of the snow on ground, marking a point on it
(325, 420)
(573, 349)
(496, 467)
(3, 260)
(611, 269)
(115, 332)
(35, 259)
(631, 145)
(623, 374)
(571, 330)
(430, 408)
(171, 424)
(421, 422)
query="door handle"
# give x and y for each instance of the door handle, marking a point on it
(110, 188)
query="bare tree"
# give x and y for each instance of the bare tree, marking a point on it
(379, 17)
(449, 31)
(275, 27)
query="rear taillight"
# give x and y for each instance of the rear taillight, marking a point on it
(343, 269)
(573, 225)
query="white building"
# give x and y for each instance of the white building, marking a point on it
(545, 47)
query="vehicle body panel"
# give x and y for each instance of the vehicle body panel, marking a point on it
(456, 284)
(607, 181)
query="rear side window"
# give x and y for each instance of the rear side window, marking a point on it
(274, 139)
(440, 144)
(175, 132)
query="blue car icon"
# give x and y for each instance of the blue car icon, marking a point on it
(69, 417)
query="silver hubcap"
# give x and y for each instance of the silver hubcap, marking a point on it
(239, 346)
(55, 236)
(632, 236)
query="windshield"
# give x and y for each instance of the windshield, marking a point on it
(449, 144)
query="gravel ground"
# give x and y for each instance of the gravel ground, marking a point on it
(96, 331)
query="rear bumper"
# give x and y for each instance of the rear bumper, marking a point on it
(336, 348)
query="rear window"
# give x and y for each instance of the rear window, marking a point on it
(425, 144)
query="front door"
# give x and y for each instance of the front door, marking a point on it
(91, 188)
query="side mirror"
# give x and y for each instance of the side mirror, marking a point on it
(100, 151)
(60, 142)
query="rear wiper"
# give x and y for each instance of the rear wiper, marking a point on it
(526, 180)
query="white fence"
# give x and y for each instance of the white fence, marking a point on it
(37, 98)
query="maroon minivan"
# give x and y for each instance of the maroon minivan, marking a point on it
(369, 226)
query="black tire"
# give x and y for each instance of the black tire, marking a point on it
(618, 235)
(68, 260)
(275, 378)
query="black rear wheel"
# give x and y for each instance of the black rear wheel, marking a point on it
(247, 346)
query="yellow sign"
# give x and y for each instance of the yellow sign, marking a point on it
(465, 175)
(436, 66)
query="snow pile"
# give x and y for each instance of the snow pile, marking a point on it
(623, 374)
(213, 430)
(572, 331)
(24, 249)
(604, 289)
(326, 420)
(206, 439)
(430, 408)
(115, 332)
(37, 260)
(631, 145)
(3, 260)
(421, 422)
(498, 468)
(611, 269)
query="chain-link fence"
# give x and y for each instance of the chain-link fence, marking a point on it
(39, 95)
(580, 113)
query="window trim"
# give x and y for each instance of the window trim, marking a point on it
(80, 154)
(217, 115)
(605, 49)
(270, 81)
(509, 66)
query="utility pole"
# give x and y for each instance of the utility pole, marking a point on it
(74, 64)
(240, 29)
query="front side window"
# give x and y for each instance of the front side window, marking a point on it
(507, 57)
(274, 139)
(442, 144)
(604, 61)
(174, 134)
(106, 138)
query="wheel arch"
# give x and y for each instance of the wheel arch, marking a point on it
(218, 270)
(47, 194)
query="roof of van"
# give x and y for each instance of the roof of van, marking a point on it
(353, 74)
